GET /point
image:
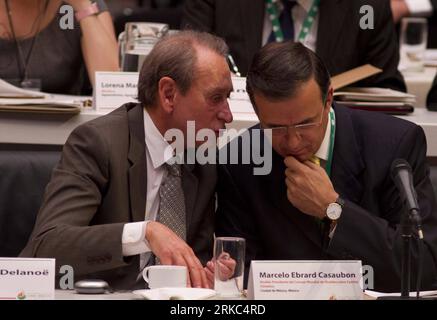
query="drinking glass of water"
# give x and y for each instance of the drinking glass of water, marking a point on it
(229, 253)
(136, 42)
(414, 38)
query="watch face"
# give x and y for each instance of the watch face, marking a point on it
(334, 211)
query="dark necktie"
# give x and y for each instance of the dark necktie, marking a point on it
(172, 204)
(286, 22)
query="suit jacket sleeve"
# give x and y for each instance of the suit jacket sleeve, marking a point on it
(382, 50)
(72, 199)
(199, 15)
(376, 240)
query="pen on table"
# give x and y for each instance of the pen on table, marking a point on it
(233, 66)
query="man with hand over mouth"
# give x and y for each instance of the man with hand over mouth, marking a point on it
(329, 195)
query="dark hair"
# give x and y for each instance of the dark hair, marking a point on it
(279, 69)
(175, 56)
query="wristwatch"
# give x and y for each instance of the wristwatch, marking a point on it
(333, 212)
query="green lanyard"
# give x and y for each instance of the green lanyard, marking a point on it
(273, 12)
(331, 142)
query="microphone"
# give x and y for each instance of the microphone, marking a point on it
(402, 176)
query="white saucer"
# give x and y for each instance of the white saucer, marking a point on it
(176, 293)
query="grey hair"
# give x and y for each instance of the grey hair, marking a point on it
(175, 56)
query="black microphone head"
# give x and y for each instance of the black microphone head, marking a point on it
(399, 164)
(402, 176)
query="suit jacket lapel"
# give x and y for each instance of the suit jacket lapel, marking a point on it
(137, 174)
(330, 23)
(347, 164)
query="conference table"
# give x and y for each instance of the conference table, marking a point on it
(117, 295)
(128, 295)
(53, 129)
(73, 295)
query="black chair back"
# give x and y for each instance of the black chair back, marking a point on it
(23, 178)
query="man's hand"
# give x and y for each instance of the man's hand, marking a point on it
(226, 268)
(399, 10)
(172, 250)
(309, 188)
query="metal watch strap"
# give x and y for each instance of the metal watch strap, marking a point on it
(340, 201)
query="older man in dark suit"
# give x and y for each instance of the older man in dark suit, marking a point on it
(334, 31)
(117, 201)
(329, 194)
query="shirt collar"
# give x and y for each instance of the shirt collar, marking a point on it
(159, 150)
(323, 152)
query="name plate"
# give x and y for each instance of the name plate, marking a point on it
(113, 89)
(27, 278)
(239, 92)
(305, 280)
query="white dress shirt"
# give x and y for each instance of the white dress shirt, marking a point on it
(419, 7)
(299, 14)
(158, 152)
(323, 152)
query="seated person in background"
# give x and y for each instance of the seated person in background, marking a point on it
(38, 51)
(431, 101)
(284, 215)
(114, 202)
(334, 32)
(418, 8)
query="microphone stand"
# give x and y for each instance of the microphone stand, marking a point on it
(406, 235)
(402, 176)
(406, 228)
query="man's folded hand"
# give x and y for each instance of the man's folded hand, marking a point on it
(172, 250)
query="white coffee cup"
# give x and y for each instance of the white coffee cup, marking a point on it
(160, 276)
